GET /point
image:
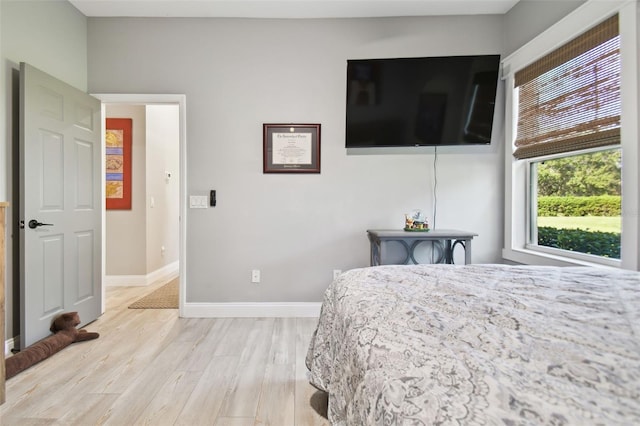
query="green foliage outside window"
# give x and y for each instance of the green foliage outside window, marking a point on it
(586, 175)
(597, 205)
(606, 244)
(578, 186)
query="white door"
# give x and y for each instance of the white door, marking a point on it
(60, 203)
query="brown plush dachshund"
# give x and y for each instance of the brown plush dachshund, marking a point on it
(65, 333)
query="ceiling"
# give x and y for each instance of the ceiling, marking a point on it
(290, 8)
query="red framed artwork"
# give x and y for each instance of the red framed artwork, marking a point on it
(118, 163)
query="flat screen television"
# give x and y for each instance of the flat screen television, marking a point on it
(431, 101)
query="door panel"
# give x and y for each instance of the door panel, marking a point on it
(84, 246)
(86, 175)
(50, 155)
(52, 297)
(60, 189)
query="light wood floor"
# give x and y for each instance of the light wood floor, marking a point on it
(150, 367)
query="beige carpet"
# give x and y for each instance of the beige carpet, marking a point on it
(166, 297)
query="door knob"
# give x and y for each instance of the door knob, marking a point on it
(33, 224)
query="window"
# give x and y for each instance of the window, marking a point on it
(576, 204)
(570, 126)
(568, 101)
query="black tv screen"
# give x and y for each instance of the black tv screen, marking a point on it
(429, 101)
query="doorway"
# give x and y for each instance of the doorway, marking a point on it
(116, 102)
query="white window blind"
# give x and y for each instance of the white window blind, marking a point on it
(570, 99)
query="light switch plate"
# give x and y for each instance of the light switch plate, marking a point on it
(198, 201)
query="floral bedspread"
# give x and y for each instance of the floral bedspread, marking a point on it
(479, 345)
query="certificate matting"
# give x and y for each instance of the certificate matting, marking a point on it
(291, 148)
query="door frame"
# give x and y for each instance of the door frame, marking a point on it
(158, 99)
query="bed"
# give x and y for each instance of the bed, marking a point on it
(479, 345)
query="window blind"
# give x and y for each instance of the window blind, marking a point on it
(569, 99)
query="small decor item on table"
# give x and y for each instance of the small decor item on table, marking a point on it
(416, 221)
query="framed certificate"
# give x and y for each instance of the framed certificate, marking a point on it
(291, 148)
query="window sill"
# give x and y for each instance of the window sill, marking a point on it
(534, 257)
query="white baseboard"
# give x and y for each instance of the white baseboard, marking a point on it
(234, 310)
(9, 345)
(125, 280)
(251, 310)
(165, 273)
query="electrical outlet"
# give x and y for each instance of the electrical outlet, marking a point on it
(255, 276)
(336, 273)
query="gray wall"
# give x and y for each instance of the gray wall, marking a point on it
(162, 194)
(528, 18)
(135, 238)
(52, 36)
(126, 234)
(240, 73)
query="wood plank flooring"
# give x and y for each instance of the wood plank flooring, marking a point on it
(150, 367)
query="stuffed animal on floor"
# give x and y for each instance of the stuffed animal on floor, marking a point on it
(64, 333)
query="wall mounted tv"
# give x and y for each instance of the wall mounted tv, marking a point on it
(431, 101)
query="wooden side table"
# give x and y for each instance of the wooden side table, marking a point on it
(448, 239)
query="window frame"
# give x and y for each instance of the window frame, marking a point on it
(517, 180)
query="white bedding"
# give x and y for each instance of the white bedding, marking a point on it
(479, 344)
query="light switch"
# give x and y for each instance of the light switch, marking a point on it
(198, 201)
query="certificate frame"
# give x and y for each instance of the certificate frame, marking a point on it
(291, 148)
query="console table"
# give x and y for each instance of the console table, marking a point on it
(446, 239)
